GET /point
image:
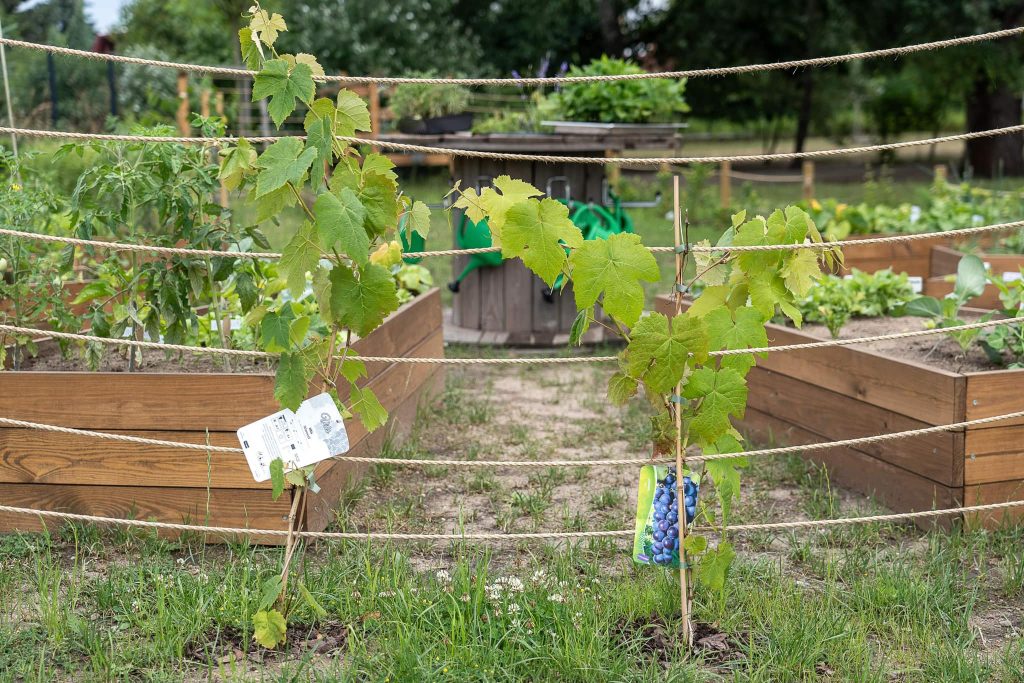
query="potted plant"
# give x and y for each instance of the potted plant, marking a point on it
(652, 105)
(423, 109)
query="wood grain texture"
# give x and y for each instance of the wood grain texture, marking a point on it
(896, 488)
(938, 457)
(996, 392)
(994, 454)
(999, 492)
(944, 261)
(939, 287)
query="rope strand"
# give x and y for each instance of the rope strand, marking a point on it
(553, 80)
(542, 158)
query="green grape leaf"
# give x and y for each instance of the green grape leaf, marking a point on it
(272, 203)
(710, 299)
(494, 203)
(269, 628)
(378, 163)
(659, 349)
(705, 262)
(353, 114)
(353, 369)
(291, 383)
(322, 293)
(723, 393)
(252, 53)
(339, 222)
(295, 477)
(472, 204)
(276, 478)
(320, 137)
(419, 219)
(275, 332)
(725, 473)
(272, 586)
(614, 266)
(378, 196)
(580, 326)
(714, 566)
(362, 304)
(695, 545)
(800, 271)
(245, 288)
(538, 232)
(767, 289)
(267, 26)
(285, 161)
(740, 329)
(621, 387)
(236, 163)
(283, 85)
(755, 233)
(364, 404)
(300, 256)
(298, 329)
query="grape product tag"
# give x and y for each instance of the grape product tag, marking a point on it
(306, 436)
(916, 283)
(656, 537)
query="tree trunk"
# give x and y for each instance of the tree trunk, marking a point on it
(611, 32)
(994, 106)
(803, 122)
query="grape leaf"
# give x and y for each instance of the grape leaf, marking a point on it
(495, 202)
(283, 162)
(291, 383)
(378, 163)
(269, 628)
(276, 478)
(295, 477)
(723, 393)
(710, 275)
(419, 219)
(387, 254)
(272, 203)
(320, 137)
(307, 59)
(709, 300)
(367, 407)
(800, 271)
(725, 473)
(659, 349)
(274, 332)
(538, 233)
(739, 329)
(621, 387)
(283, 84)
(614, 266)
(236, 163)
(252, 52)
(362, 304)
(267, 26)
(300, 256)
(339, 222)
(714, 566)
(353, 114)
(272, 587)
(580, 325)
(378, 196)
(766, 289)
(755, 233)
(472, 204)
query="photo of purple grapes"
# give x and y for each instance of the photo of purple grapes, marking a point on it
(665, 522)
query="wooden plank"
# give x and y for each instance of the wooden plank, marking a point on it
(938, 457)
(894, 487)
(939, 287)
(944, 261)
(29, 456)
(931, 395)
(234, 507)
(518, 308)
(996, 392)
(492, 298)
(181, 401)
(994, 454)
(1000, 492)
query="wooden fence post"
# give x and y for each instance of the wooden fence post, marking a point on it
(204, 103)
(808, 173)
(183, 105)
(725, 183)
(374, 97)
(941, 173)
(218, 104)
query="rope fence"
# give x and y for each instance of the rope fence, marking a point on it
(529, 360)
(542, 158)
(779, 450)
(832, 60)
(478, 536)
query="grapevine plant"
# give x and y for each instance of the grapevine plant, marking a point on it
(343, 249)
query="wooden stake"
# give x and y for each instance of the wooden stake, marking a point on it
(374, 97)
(183, 106)
(218, 105)
(808, 173)
(684, 571)
(725, 183)
(289, 548)
(941, 173)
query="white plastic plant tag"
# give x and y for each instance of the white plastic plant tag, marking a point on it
(916, 283)
(1012, 276)
(312, 433)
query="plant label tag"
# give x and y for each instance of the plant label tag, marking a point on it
(916, 283)
(1012, 276)
(306, 436)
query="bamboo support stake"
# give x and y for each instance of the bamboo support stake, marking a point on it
(808, 174)
(291, 541)
(725, 183)
(684, 570)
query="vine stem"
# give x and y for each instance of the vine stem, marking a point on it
(291, 542)
(684, 569)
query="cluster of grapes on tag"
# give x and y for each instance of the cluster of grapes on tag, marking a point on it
(666, 515)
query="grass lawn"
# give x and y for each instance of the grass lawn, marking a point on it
(859, 603)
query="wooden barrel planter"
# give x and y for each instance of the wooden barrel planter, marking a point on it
(69, 473)
(508, 304)
(843, 392)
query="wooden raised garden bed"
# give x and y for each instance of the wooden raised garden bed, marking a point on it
(913, 257)
(78, 474)
(943, 262)
(801, 397)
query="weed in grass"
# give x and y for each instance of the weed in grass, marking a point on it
(482, 481)
(608, 499)
(532, 504)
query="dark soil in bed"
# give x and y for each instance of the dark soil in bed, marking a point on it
(937, 350)
(115, 359)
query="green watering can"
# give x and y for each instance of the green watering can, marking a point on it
(470, 235)
(411, 241)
